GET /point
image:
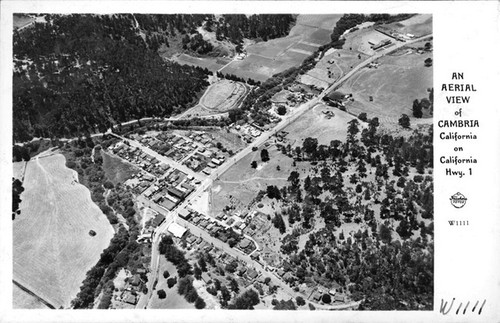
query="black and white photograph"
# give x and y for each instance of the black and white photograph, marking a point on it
(203, 160)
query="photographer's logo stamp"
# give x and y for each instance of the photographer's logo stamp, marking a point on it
(458, 200)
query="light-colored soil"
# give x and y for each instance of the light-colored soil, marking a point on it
(212, 64)
(173, 299)
(358, 40)
(22, 300)
(117, 170)
(18, 169)
(314, 124)
(223, 95)
(418, 25)
(343, 60)
(274, 56)
(394, 85)
(52, 248)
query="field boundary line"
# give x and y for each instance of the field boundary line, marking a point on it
(33, 294)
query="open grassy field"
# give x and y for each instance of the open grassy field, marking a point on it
(18, 170)
(223, 95)
(394, 85)
(343, 60)
(241, 183)
(22, 299)
(173, 299)
(276, 55)
(419, 25)
(314, 124)
(116, 169)
(52, 248)
(21, 20)
(358, 40)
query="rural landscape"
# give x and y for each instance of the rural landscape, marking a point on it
(201, 161)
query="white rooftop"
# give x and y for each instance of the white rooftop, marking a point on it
(177, 230)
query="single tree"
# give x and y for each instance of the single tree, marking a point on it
(404, 121)
(161, 294)
(264, 155)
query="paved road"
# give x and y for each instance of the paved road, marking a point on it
(207, 182)
(162, 158)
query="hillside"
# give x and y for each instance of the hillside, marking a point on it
(79, 74)
(76, 74)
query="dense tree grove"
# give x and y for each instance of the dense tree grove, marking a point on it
(236, 27)
(245, 301)
(82, 73)
(349, 21)
(175, 256)
(123, 251)
(17, 189)
(388, 263)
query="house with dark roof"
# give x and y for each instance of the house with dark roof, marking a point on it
(158, 219)
(252, 273)
(135, 281)
(176, 192)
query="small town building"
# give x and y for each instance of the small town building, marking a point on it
(176, 230)
(158, 220)
(206, 278)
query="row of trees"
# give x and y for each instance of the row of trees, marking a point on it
(124, 251)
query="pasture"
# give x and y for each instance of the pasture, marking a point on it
(223, 95)
(314, 124)
(18, 169)
(52, 248)
(240, 184)
(20, 20)
(116, 169)
(358, 40)
(173, 299)
(23, 300)
(276, 55)
(326, 73)
(419, 25)
(394, 85)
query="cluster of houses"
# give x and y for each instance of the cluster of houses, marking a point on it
(337, 99)
(133, 287)
(171, 190)
(216, 229)
(248, 132)
(246, 275)
(136, 156)
(335, 294)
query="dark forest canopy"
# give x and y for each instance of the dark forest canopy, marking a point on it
(86, 72)
(79, 74)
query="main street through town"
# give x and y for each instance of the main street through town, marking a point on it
(207, 182)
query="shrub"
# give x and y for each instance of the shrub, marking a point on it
(171, 282)
(326, 298)
(161, 294)
(199, 303)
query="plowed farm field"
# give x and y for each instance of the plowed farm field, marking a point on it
(52, 248)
